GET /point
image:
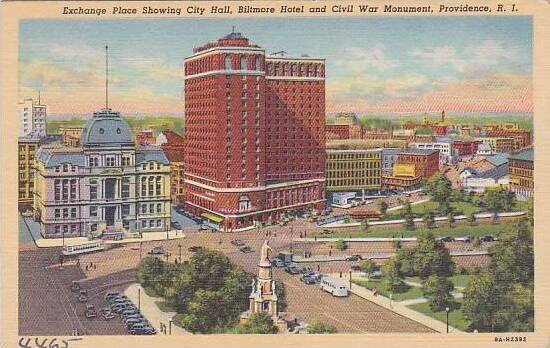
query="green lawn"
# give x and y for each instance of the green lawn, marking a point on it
(163, 306)
(459, 230)
(458, 279)
(456, 317)
(412, 292)
(422, 208)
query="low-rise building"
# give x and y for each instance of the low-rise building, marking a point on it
(389, 158)
(26, 148)
(521, 171)
(356, 170)
(413, 166)
(484, 172)
(172, 145)
(70, 136)
(446, 152)
(105, 187)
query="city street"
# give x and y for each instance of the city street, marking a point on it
(58, 311)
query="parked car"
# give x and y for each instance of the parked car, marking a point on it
(277, 263)
(468, 239)
(90, 311)
(175, 225)
(353, 258)
(203, 228)
(487, 238)
(246, 249)
(195, 249)
(157, 250)
(355, 268)
(325, 231)
(237, 242)
(447, 239)
(75, 286)
(82, 296)
(292, 270)
(141, 329)
(111, 294)
(308, 279)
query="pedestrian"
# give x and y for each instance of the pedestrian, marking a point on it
(300, 234)
(95, 266)
(330, 253)
(77, 262)
(318, 268)
(315, 238)
(86, 267)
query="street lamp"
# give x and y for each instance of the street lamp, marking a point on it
(179, 247)
(139, 299)
(291, 238)
(447, 309)
(350, 279)
(140, 249)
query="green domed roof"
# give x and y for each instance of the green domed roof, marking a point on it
(107, 128)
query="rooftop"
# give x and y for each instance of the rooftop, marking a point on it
(524, 155)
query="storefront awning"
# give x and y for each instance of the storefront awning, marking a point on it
(212, 217)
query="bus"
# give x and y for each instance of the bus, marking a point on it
(90, 247)
(334, 286)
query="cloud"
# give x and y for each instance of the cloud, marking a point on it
(359, 59)
(157, 69)
(495, 92)
(487, 54)
(74, 51)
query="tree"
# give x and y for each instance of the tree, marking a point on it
(451, 218)
(341, 245)
(458, 195)
(383, 207)
(368, 266)
(530, 212)
(471, 218)
(406, 261)
(431, 257)
(439, 188)
(393, 276)
(512, 257)
(365, 224)
(320, 328)
(203, 313)
(408, 216)
(280, 291)
(149, 270)
(258, 323)
(499, 199)
(481, 298)
(437, 290)
(429, 220)
(347, 220)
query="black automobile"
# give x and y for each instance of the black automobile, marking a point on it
(246, 249)
(487, 238)
(353, 258)
(468, 239)
(176, 225)
(195, 249)
(308, 279)
(447, 239)
(237, 242)
(292, 270)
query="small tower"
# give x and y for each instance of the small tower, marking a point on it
(263, 297)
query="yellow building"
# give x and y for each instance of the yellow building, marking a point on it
(353, 170)
(521, 171)
(70, 136)
(27, 148)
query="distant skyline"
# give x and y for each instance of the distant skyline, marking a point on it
(374, 65)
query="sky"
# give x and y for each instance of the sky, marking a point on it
(374, 65)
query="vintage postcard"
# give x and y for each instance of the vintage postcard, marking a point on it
(285, 173)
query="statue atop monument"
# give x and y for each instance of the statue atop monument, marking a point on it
(265, 252)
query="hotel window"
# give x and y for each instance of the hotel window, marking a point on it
(65, 167)
(159, 207)
(228, 65)
(125, 188)
(73, 190)
(57, 213)
(57, 169)
(93, 211)
(151, 186)
(144, 223)
(73, 229)
(65, 213)
(151, 165)
(73, 213)
(243, 63)
(93, 189)
(57, 190)
(151, 223)
(159, 223)
(65, 189)
(144, 208)
(143, 187)
(257, 63)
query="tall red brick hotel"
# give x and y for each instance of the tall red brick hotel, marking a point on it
(254, 133)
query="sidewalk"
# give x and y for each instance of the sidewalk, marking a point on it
(146, 237)
(397, 307)
(151, 311)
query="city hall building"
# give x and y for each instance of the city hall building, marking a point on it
(254, 133)
(105, 187)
